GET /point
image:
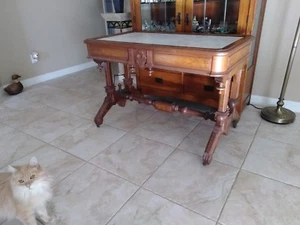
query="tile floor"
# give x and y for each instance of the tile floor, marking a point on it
(143, 167)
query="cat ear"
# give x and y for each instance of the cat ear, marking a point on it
(33, 161)
(11, 169)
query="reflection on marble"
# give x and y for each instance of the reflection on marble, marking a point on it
(231, 149)
(197, 41)
(276, 160)
(165, 128)
(256, 200)
(58, 163)
(15, 144)
(90, 196)
(184, 180)
(88, 140)
(126, 118)
(18, 112)
(146, 208)
(288, 133)
(53, 126)
(133, 157)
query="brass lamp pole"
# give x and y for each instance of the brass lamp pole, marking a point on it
(279, 114)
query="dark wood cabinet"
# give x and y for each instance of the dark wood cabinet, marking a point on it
(220, 17)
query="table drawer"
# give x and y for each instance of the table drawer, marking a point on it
(161, 80)
(200, 86)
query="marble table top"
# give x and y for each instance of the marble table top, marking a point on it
(182, 40)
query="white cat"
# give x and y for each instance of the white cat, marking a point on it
(24, 193)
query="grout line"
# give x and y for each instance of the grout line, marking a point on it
(176, 203)
(122, 206)
(237, 175)
(270, 178)
(140, 186)
(69, 175)
(289, 144)
(111, 173)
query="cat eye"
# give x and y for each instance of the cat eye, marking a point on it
(21, 181)
(32, 177)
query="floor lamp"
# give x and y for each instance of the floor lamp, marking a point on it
(278, 114)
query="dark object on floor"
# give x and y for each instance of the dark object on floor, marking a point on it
(15, 87)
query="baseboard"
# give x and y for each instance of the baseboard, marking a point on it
(267, 101)
(59, 73)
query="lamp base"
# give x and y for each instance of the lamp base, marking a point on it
(279, 115)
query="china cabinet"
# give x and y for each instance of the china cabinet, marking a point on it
(203, 17)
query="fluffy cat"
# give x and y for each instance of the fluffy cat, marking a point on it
(24, 192)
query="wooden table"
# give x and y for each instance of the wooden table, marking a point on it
(176, 65)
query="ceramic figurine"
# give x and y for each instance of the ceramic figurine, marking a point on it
(15, 87)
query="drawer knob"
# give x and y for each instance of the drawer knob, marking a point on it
(159, 80)
(208, 88)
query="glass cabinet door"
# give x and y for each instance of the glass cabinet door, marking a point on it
(158, 15)
(213, 16)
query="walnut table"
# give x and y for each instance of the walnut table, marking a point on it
(206, 69)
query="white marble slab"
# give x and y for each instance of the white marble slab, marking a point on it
(183, 40)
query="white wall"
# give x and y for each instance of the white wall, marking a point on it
(280, 22)
(56, 29)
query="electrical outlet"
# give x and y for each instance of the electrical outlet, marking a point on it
(34, 57)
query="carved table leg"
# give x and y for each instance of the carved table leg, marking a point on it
(235, 115)
(218, 130)
(221, 118)
(234, 94)
(111, 97)
(105, 107)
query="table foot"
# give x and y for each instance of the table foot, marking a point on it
(234, 123)
(206, 158)
(232, 103)
(222, 119)
(211, 147)
(105, 107)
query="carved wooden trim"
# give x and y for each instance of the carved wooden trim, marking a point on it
(100, 64)
(141, 58)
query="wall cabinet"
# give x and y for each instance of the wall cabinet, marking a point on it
(220, 17)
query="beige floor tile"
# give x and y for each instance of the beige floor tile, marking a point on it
(15, 144)
(53, 126)
(184, 180)
(146, 208)
(133, 157)
(249, 121)
(88, 108)
(165, 128)
(256, 200)
(18, 112)
(37, 92)
(16, 222)
(54, 97)
(88, 140)
(65, 82)
(90, 196)
(58, 163)
(276, 160)
(126, 118)
(85, 82)
(231, 149)
(288, 133)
